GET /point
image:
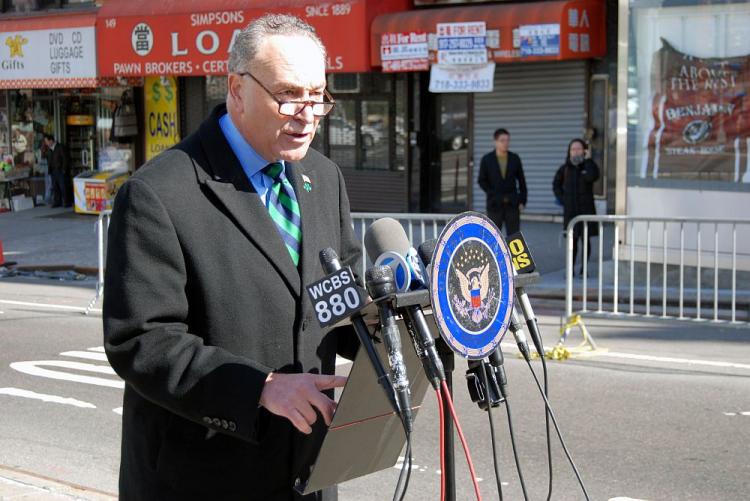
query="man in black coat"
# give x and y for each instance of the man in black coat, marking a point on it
(573, 186)
(58, 169)
(228, 376)
(501, 177)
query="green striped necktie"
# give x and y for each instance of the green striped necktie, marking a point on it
(284, 209)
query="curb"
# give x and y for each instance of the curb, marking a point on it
(17, 483)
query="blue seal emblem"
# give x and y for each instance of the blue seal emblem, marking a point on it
(471, 285)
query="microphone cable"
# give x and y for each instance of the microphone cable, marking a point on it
(449, 401)
(515, 452)
(559, 434)
(403, 478)
(495, 460)
(441, 409)
(546, 423)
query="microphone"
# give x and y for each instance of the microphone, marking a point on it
(425, 251)
(330, 262)
(385, 237)
(387, 244)
(380, 283)
(531, 321)
(517, 329)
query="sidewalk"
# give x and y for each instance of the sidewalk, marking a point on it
(20, 485)
(59, 239)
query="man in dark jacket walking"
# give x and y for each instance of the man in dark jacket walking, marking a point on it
(574, 188)
(501, 177)
(57, 166)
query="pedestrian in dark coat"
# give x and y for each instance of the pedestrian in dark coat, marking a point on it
(59, 170)
(501, 177)
(228, 376)
(574, 189)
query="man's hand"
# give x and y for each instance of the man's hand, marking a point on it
(296, 396)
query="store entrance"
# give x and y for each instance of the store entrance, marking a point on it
(448, 178)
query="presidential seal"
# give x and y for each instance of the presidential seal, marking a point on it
(471, 285)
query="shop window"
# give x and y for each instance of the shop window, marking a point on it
(30, 5)
(216, 91)
(5, 148)
(342, 134)
(688, 104)
(22, 128)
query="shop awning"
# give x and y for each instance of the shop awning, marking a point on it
(193, 37)
(538, 31)
(48, 51)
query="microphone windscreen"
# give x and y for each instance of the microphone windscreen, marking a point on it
(328, 256)
(380, 281)
(386, 234)
(426, 250)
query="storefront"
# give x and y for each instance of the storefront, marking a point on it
(685, 150)
(49, 85)
(140, 38)
(524, 67)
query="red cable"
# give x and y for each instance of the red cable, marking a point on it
(442, 445)
(449, 401)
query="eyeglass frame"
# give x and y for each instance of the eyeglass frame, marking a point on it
(305, 104)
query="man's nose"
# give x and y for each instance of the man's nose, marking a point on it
(306, 114)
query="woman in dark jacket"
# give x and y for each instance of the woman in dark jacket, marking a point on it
(574, 188)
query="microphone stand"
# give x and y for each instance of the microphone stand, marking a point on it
(449, 458)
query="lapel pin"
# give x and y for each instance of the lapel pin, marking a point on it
(307, 184)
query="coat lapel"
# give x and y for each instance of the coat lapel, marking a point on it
(233, 190)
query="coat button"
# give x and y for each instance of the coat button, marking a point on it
(232, 426)
(304, 325)
(216, 421)
(224, 424)
(206, 420)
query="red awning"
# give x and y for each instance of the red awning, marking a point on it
(193, 37)
(581, 27)
(48, 51)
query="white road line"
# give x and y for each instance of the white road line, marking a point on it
(47, 305)
(33, 368)
(98, 349)
(17, 392)
(650, 358)
(100, 357)
(117, 410)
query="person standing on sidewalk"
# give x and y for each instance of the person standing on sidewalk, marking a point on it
(574, 189)
(57, 167)
(229, 377)
(501, 177)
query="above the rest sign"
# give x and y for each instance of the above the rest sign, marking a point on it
(462, 78)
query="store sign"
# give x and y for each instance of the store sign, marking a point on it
(162, 122)
(540, 40)
(462, 43)
(37, 57)
(701, 113)
(462, 78)
(198, 43)
(404, 52)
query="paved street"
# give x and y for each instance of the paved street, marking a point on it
(664, 414)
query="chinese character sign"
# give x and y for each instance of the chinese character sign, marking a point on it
(701, 117)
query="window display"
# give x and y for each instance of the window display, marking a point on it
(688, 107)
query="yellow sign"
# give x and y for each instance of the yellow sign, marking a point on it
(16, 45)
(162, 122)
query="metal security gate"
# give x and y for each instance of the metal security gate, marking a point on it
(543, 105)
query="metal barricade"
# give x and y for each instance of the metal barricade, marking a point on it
(418, 227)
(674, 248)
(102, 225)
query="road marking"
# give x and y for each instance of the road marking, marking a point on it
(649, 358)
(744, 413)
(342, 361)
(117, 410)
(17, 392)
(46, 305)
(100, 357)
(623, 498)
(98, 349)
(33, 368)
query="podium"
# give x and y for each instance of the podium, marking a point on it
(366, 435)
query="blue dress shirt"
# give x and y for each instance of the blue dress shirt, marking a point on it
(252, 163)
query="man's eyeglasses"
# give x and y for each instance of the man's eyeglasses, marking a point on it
(293, 108)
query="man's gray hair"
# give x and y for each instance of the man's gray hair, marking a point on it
(249, 40)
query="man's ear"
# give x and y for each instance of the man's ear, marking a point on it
(234, 92)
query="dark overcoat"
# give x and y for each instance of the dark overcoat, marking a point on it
(512, 187)
(201, 302)
(574, 187)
